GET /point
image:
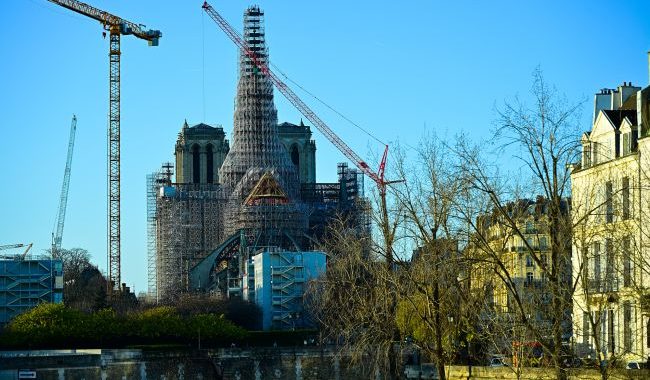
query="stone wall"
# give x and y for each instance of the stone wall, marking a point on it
(235, 364)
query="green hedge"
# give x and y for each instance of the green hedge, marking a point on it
(55, 325)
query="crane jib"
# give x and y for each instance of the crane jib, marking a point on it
(296, 101)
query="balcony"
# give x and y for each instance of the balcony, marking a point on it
(607, 285)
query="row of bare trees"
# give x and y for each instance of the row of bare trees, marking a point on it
(437, 276)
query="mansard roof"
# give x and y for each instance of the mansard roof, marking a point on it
(617, 117)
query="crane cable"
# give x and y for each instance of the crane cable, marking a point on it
(203, 59)
(277, 69)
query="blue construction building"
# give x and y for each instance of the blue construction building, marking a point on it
(27, 282)
(276, 282)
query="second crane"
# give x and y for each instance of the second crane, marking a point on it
(116, 27)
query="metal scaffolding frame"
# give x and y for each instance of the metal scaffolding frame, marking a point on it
(257, 152)
(188, 228)
(258, 200)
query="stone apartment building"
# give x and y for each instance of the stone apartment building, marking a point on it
(611, 201)
(520, 254)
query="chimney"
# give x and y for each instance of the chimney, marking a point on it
(649, 67)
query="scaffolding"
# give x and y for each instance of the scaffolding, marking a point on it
(205, 233)
(151, 235)
(155, 181)
(188, 229)
(344, 199)
(257, 154)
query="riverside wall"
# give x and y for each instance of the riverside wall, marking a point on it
(234, 364)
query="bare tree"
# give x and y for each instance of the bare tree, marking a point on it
(431, 293)
(544, 139)
(374, 302)
(354, 302)
(84, 285)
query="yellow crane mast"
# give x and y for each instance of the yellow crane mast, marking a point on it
(116, 27)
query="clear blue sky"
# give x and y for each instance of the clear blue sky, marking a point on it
(391, 66)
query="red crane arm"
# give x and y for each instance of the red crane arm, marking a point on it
(297, 102)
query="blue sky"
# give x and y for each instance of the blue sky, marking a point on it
(393, 67)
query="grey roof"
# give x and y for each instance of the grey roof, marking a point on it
(617, 116)
(202, 126)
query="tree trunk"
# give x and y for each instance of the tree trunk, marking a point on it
(440, 361)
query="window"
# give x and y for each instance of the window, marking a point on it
(543, 259)
(585, 327)
(529, 278)
(609, 206)
(295, 155)
(627, 328)
(209, 164)
(594, 156)
(585, 264)
(529, 261)
(626, 143)
(609, 265)
(530, 227)
(543, 242)
(586, 156)
(627, 262)
(596, 278)
(625, 191)
(610, 332)
(196, 164)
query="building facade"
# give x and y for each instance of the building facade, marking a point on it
(276, 282)
(517, 258)
(302, 149)
(610, 251)
(200, 151)
(26, 282)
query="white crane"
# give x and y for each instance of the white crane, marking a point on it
(57, 235)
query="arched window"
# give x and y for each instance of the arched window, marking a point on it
(210, 163)
(196, 164)
(295, 155)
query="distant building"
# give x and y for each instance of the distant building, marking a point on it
(25, 283)
(500, 244)
(276, 281)
(610, 251)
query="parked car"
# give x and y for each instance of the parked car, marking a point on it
(428, 371)
(423, 371)
(497, 362)
(634, 365)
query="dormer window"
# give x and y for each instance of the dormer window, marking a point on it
(629, 140)
(586, 155)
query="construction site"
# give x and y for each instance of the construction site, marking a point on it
(230, 200)
(230, 194)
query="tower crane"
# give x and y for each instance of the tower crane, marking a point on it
(57, 236)
(116, 27)
(377, 177)
(11, 246)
